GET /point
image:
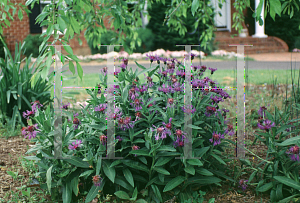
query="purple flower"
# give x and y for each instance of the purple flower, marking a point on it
(164, 60)
(119, 138)
(101, 107)
(294, 153)
(97, 180)
(178, 87)
(125, 123)
(103, 139)
(30, 131)
(134, 147)
(261, 111)
(179, 142)
(75, 145)
(125, 61)
(104, 71)
(66, 106)
(229, 130)
(35, 105)
(212, 70)
(189, 109)
(123, 66)
(28, 114)
(161, 131)
(266, 125)
(216, 99)
(76, 121)
(133, 93)
(152, 57)
(170, 103)
(210, 111)
(168, 125)
(99, 89)
(216, 138)
(166, 89)
(143, 89)
(242, 184)
(137, 104)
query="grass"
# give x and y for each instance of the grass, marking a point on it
(224, 77)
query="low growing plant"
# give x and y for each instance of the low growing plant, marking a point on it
(150, 134)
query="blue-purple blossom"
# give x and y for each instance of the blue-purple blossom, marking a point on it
(166, 89)
(243, 185)
(101, 107)
(97, 180)
(137, 104)
(262, 111)
(189, 109)
(178, 87)
(125, 123)
(66, 106)
(266, 125)
(294, 153)
(152, 58)
(36, 105)
(161, 132)
(30, 131)
(28, 114)
(133, 93)
(119, 138)
(216, 138)
(229, 130)
(75, 145)
(212, 70)
(76, 121)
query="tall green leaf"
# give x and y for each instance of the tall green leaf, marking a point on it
(173, 183)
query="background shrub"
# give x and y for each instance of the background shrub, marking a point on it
(168, 40)
(2, 54)
(106, 39)
(32, 45)
(148, 40)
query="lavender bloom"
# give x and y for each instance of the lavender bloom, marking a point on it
(261, 111)
(229, 130)
(104, 71)
(137, 104)
(212, 70)
(216, 99)
(76, 121)
(133, 93)
(134, 147)
(103, 139)
(97, 180)
(143, 89)
(152, 57)
(28, 114)
(125, 61)
(178, 87)
(170, 103)
(160, 131)
(243, 184)
(123, 66)
(267, 124)
(180, 73)
(30, 131)
(189, 109)
(125, 123)
(164, 60)
(66, 106)
(166, 89)
(75, 145)
(216, 138)
(294, 153)
(168, 125)
(101, 107)
(119, 138)
(179, 142)
(35, 105)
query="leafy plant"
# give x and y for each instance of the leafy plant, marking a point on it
(15, 87)
(148, 144)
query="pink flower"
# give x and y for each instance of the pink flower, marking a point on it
(216, 138)
(97, 180)
(30, 131)
(75, 145)
(134, 147)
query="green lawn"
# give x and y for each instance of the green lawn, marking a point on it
(224, 77)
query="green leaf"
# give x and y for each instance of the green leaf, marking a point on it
(122, 195)
(161, 170)
(162, 161)
(128, 176)
(134, 195)
(202, 180)
(195, 162)
(71, 67)
(68, 49)
(157, 192)
(92, 193)
(86, 173)
(67, 192)
(110, 172)
(194, 127)
(20, 14)
(290, 141)
(265, 187)
(141, 201)
(219, 159)
(76, 161)
(98, 167)
(275, 7)
(136, 165)
(49, 179)
(288, 182)
(79, 70)
(195, 6)
(190, 170)
(61, 23)
(166, 148)
(204, 172)
(173, 183)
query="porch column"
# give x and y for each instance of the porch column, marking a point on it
(260, 30)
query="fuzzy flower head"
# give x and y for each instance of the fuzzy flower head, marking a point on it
(35, 105)
(125, 123)
(161, 132)
(134, 147)
(66, 106)
(229, 130)
(30, 131)
(243, 185)
(294, 153)
(216, 138)
(212, 70)
(28, 114)
(97, 180)
(137, 104)
(168, 125)
(189, 109)
(179, 142)
(151, 57)
(101, 107)
(266, 125)
(261, 111)
(75, 145)
(103, 139)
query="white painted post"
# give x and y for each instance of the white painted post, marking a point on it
(260, 30)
